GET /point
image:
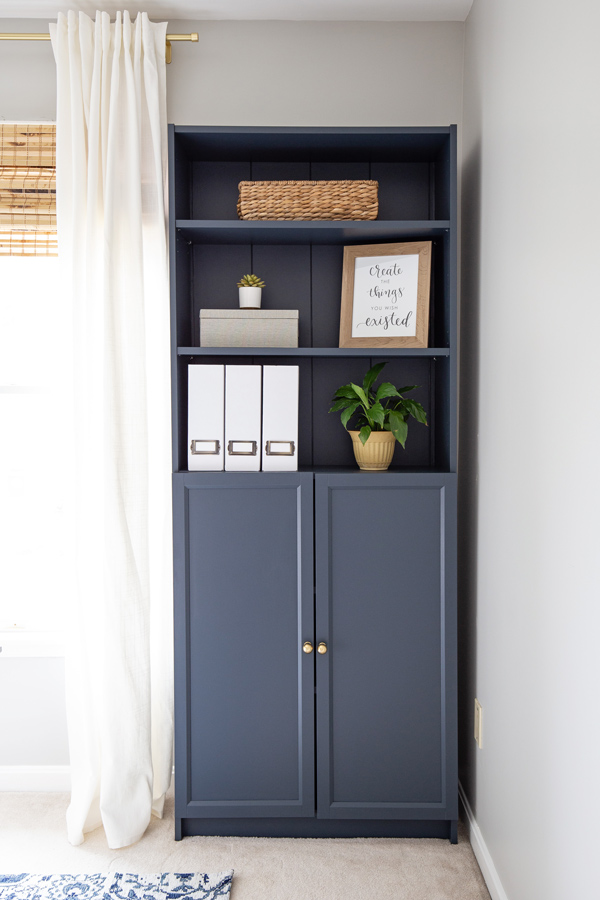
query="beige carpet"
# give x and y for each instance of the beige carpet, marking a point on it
(32, 839)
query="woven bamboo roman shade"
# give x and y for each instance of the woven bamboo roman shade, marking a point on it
(28, 190)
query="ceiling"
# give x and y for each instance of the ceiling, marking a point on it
(311, 10)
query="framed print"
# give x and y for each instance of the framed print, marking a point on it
(385, 295)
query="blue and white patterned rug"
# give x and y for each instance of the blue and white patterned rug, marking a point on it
(116, 886)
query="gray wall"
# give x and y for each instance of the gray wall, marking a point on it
(317, 73)
(530, 485)
(297, 73)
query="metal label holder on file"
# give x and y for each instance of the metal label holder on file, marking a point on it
(205, 417)
(242, 448)
(280, 418)
(242, 418)
(213, 449)
(275, 448)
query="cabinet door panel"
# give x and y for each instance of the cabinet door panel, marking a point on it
(249, 687)
(385, 607)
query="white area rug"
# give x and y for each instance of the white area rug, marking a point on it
(116, 886)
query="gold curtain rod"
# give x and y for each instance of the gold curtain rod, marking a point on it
(31, 36)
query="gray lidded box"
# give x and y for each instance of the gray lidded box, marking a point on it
(248, 327)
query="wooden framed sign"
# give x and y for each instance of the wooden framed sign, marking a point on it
(385, 295)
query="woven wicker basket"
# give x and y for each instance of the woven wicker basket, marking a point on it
(308, 200)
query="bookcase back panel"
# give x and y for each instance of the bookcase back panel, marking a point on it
(340, 171)
(267, 170)
(322, 439)
(406, 190)
(297, 276)
(216, 272)
(331, 443)
(326, 287)
(214, 189)
(303, 268)
(285, 269)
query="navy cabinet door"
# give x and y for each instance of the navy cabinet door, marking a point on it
(244, 607)
(386, 717)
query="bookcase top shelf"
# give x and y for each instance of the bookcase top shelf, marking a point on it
(280, 144)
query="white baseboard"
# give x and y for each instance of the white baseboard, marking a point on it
(482, 854)
(18, 642)
(35, 778)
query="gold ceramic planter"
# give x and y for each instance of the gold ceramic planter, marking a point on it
(376, 455)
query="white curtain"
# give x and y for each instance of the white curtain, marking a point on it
(112, 230)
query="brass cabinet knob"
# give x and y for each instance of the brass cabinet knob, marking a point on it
(322, 648)
(307, 647)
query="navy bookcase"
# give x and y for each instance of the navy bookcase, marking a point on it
(359, 739)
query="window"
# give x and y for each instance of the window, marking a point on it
(27, 189)
(35, 410)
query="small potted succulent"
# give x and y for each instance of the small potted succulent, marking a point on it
(380, 416)
(250, 291)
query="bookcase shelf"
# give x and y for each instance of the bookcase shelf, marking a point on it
(334, 352)
(285, 232)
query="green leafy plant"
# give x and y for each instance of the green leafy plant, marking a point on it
(251, 281)
(382, 409)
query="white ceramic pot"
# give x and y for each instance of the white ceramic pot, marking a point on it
(250, 297)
